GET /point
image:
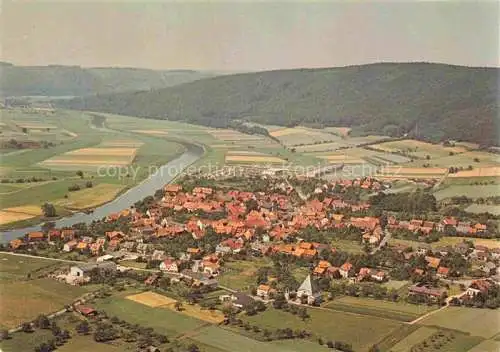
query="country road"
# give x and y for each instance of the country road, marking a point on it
(448, 300)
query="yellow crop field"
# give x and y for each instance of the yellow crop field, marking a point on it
(415, 170)
(244, 152)
(91, 197)
(7, 217)
(14, 214)
(152, 132)
(27, 209)
(90, 162)
(151, 299)
(155, 300)
(478, 172)
(195, 311)
(104, 151)
(122, 143)
(254, 159)
(286, 131)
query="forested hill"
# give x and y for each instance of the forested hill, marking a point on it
(77, 81)
(428, 101)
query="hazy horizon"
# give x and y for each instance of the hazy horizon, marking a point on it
(238, 37)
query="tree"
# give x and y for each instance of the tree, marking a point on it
(83, 328)
(4, 334)
(49, 210)
(42, 322)
(26, 327)
(79, 173)
(89, 184)
(193, 348)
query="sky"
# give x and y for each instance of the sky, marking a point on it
(247, 36)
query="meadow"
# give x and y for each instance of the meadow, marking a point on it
(483, 208)
(24, 296)
(384, 309)
(166, 321)
(362, 331)
(470, 191)
(466, 320)
(427, 339)
(240, 275)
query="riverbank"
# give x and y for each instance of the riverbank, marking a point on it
(165, 174)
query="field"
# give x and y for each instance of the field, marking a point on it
(240, 275)
(17, 267)
(412, 339)
(470, 191)
(23, 301)
(383, 309)
(165, 321)
(466, 320)
(301, 135)
(431, 339)
(483, 208)
(23, 298)
(486, 346)
(478, 172)
(360, 330)
(77, 146)
(151, 299)
(155, 300)
(403, 172)
(14, 214)
(91, 197)
(81, 158)
(253, 159)
(418, 149)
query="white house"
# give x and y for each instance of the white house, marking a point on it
(169, 265)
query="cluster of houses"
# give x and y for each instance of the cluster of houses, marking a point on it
(261, 222)
(425, 227)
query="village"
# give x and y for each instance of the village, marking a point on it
(231, 246)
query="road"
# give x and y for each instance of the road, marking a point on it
(448, 300)
(387, 237)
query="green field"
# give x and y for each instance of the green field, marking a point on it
(433, 339)
(412, 339)
(477, 322)
(17, 267)
(80, 133)
(486, 346)
(240, 275)
(450, 241)
(225, 340)
(24, 300)
(378, 308)
(163, 320)
(483, 208)
(470, 191)
(361, 331)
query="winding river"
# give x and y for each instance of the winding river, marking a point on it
(164, 175)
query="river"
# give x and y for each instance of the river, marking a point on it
(164, 175)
